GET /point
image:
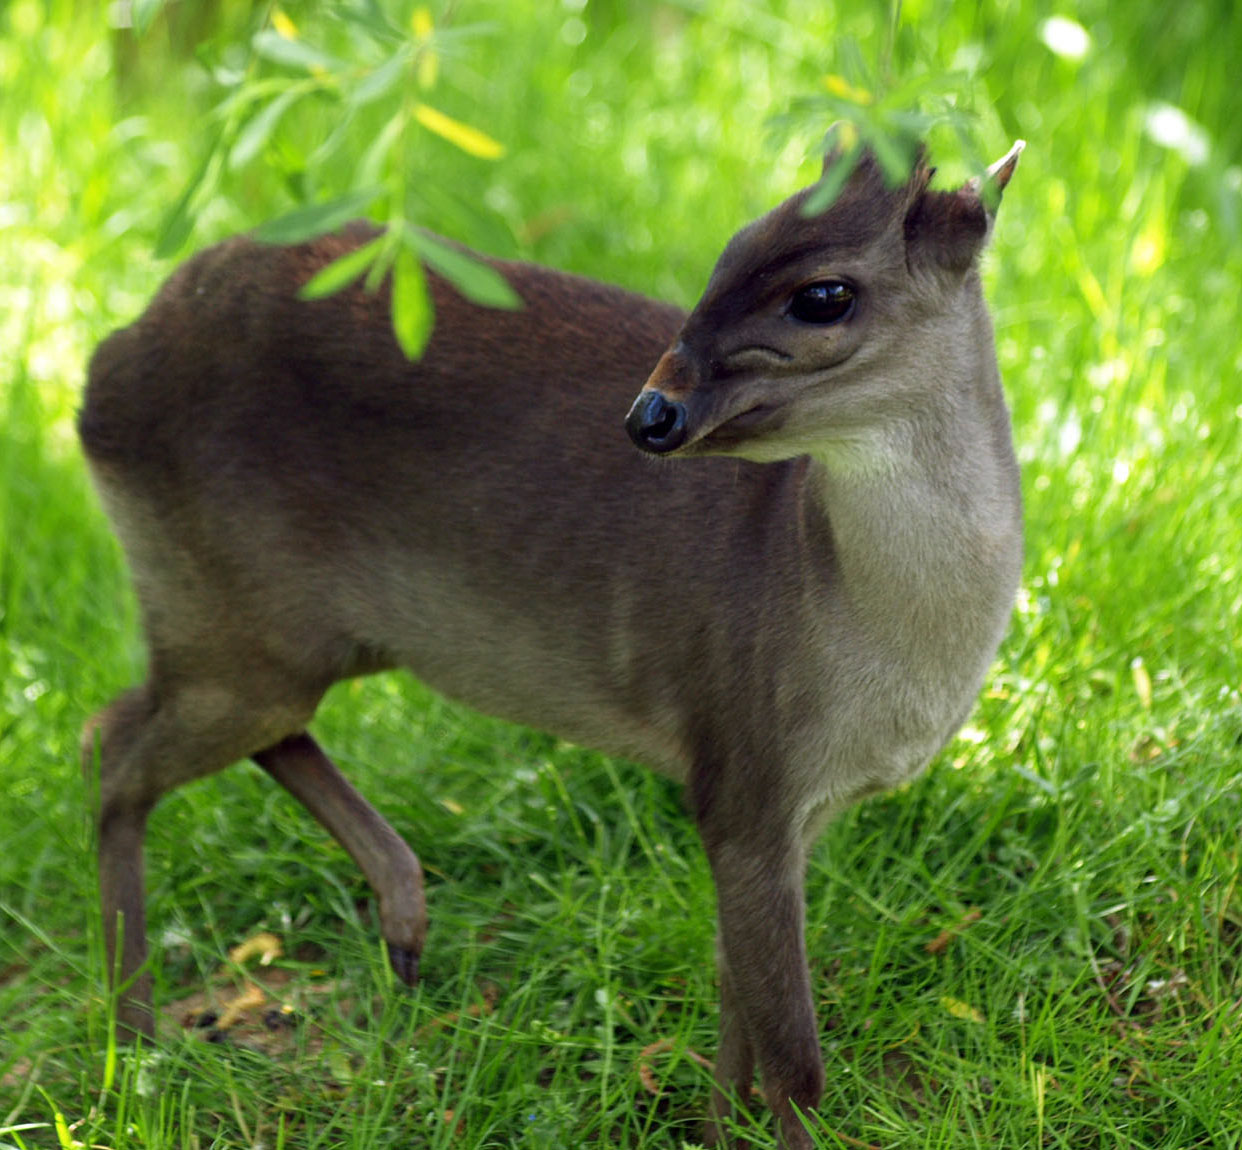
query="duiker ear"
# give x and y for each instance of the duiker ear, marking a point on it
(949, 229)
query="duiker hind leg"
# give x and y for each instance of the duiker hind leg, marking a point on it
(392, 869)
(150, 741)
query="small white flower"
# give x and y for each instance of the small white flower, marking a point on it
(1171, 128)
(1065, 37)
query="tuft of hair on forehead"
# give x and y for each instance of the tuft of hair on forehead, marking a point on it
(868, 203)
(865, 212)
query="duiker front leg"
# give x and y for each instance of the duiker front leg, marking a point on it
(767, 1014)
(392, 869)
(735, 1057)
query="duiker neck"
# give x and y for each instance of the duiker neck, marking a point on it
(924, 513)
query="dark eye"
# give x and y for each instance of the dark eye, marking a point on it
(829, 301)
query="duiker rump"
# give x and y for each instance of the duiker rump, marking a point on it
(798, 612)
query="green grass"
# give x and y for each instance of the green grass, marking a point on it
(1079, 844)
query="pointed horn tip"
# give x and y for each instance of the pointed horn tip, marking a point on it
(1000, 171)
(1007, 162)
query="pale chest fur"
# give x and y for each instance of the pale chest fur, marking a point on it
(927, 573)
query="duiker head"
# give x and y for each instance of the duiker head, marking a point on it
(820, 330)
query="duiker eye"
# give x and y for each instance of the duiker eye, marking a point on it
(829, 301)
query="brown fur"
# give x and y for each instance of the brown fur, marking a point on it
(796, 615)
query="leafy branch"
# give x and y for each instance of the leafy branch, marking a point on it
(387, 63)
(869, 109)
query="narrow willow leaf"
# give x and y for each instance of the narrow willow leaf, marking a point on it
(176, 229)
(824, 194)
(179, 222)
(142, 14)
(840, 86)
(478, 282)
(370, 169)
(255, 134)
(469, 140)
(896, 156)
(421, 23)
(305, 223)
(340, 273)
(412, 315)
(428, 69)
(384, 258)
(381, 81)
(271, 45)
(369, 18)
(284, 25)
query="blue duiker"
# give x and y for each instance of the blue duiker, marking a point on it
(793, 607)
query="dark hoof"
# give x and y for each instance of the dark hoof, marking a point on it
(279, 1019)
(405, 962)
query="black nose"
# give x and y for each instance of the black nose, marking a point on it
(656, 424)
